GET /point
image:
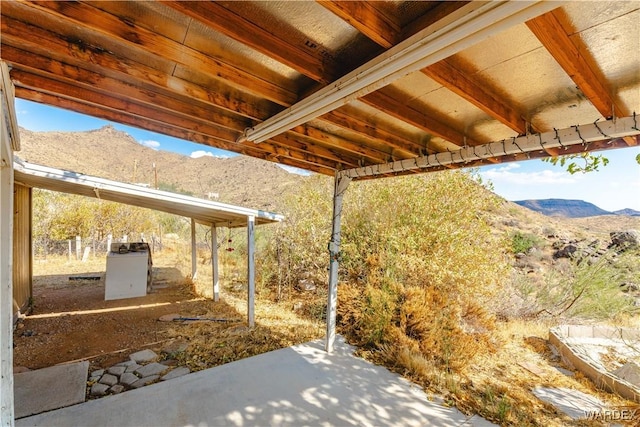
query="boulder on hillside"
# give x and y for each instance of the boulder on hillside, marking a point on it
(625, 239)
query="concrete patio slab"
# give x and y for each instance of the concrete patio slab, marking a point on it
(300, 385)
(50, 388)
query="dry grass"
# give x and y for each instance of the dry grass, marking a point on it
(215, 343)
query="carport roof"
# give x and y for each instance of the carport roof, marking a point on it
(204, 211)
(333, 86)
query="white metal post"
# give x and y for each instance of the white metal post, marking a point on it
(251, 271)
(194, 253)
(214, 262)
(6, 274)
(341, 184)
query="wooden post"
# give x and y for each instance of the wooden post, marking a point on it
(8, 142)
(78, 247)
(194, 253)
(340, 187)
(251, 271)
(214, 262)
(69, 251)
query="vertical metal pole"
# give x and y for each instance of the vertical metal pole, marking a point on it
(251, 271)
(194, 253)
(214, 262)
(341, 184)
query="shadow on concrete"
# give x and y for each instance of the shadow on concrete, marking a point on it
(300, 385)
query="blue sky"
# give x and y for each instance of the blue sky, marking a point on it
(614, 187)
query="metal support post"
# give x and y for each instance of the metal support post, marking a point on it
(340, 187)
(214, 262)
(194, 252)
(251, 271)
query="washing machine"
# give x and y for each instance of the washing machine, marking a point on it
(128, 272)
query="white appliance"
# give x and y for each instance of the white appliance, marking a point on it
(128, 271)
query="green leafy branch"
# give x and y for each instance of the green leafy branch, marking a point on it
(583, 162)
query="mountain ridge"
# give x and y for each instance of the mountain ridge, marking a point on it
(570, 208)
(238, 180)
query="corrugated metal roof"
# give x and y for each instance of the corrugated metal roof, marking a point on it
(204, 211)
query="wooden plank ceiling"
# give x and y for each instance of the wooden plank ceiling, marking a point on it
(206, 71)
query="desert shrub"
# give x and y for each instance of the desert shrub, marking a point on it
(419, 263)
(583, 289)
(523, 242)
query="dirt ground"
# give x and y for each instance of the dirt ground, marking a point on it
(71, 320)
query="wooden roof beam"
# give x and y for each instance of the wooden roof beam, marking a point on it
(225, 138)
(376, 132)
(548, 28)
(364, 16)
(401, 111)
(47, 42)
(216, 16)
(190, 110)
(477, 93)
(94, 19)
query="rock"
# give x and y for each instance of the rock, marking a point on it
(145, 381)
(174, 347)
(99, 389)
(629, 287)
(144, 356)
(97, 373)
(297, 306)
(625, 239)
(117, 370)
(169, 362)
(630, 372)
(126, 363)
(108, 379)
(566, 252)
(306, 285)
(128, 378)
(118, 388)
(20, 369)
(133, 367)
(175, 373)
(151, 369)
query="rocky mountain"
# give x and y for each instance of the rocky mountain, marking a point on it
(570, 208)
(629, 212)
(113, 154)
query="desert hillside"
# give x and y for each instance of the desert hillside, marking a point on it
(109, 153)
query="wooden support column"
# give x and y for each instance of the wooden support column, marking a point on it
(340, 187)
(194, 252)
(8, 142)
(214, 262)
(251, 271)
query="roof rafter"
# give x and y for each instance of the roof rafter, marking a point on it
(48, 42)
(400, 110)
(95, 19)
(364, 16)
(471, 89)
(553, 36)
(551, 32)
(215, 15)
(190, 128)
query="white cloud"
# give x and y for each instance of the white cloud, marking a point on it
(202, 153)
(150, 143)
(506, 174)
